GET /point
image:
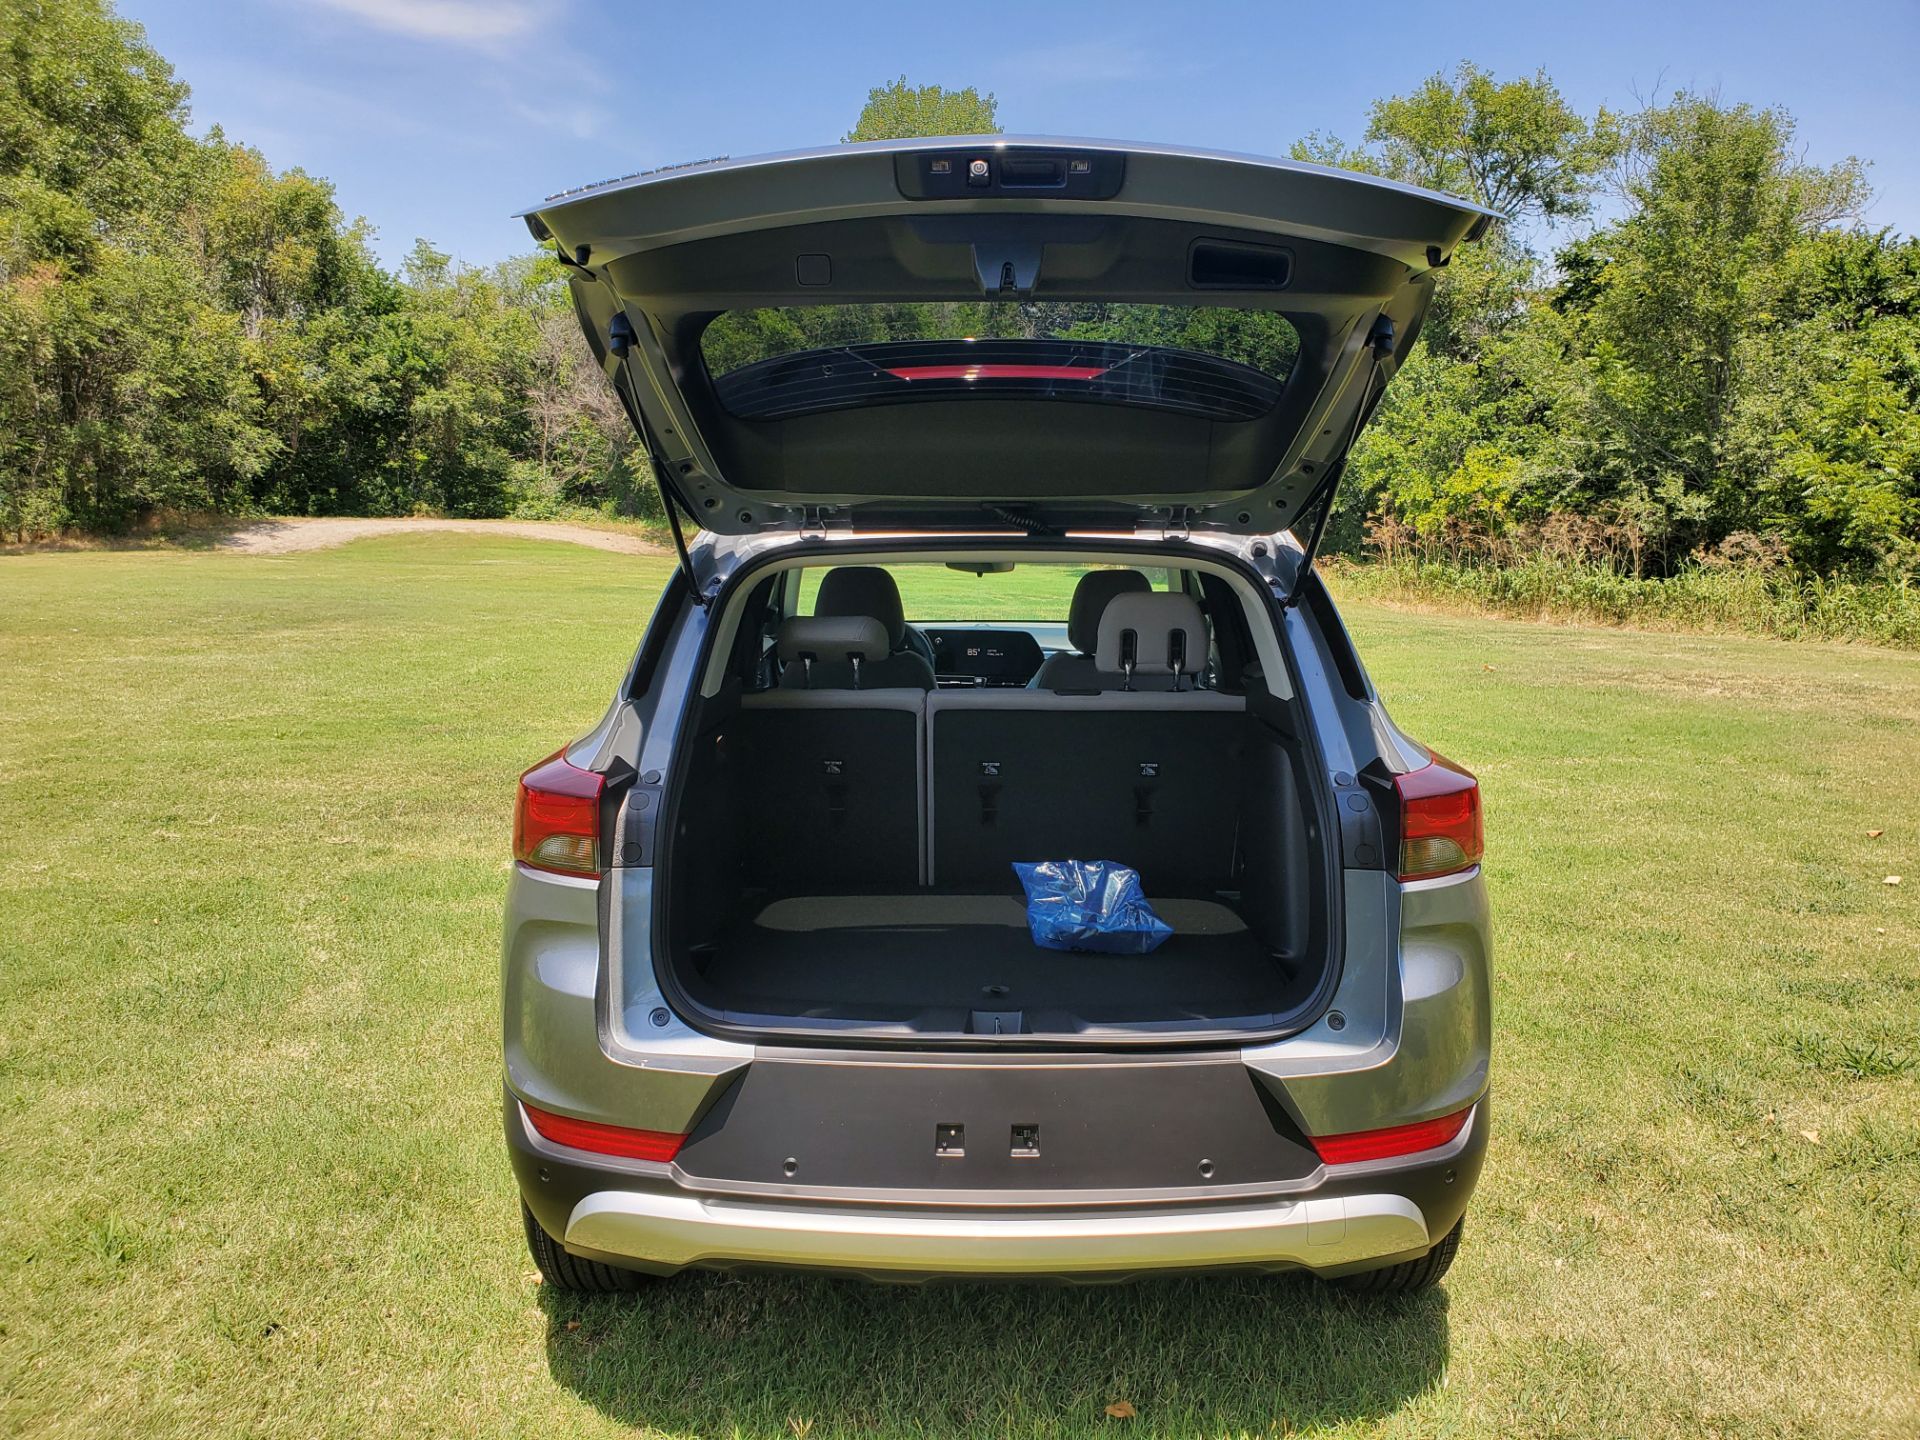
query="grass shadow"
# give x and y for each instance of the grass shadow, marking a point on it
(193, 533)
(766, 1355)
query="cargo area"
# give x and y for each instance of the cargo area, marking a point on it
(843, 861)
(933, 962)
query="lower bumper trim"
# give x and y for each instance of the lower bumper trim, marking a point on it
(671, 1231)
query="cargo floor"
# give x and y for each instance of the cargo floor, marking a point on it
(929, 961)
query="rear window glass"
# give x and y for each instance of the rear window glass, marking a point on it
(1032, 594)
(1214, 361)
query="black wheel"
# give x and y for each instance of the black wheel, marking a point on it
(569, 1272)
(1409, 1275)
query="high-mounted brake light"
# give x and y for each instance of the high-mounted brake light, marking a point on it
(1392, 1141)
(990, 370)
(556, 818)
(602, 1139)
(1440, 829)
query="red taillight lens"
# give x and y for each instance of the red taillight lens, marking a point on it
(1394, 1140)
(660, 1145)
(556, 818)
(1440, 830)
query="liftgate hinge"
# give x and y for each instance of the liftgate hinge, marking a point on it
(817, 520)
(1178, 525)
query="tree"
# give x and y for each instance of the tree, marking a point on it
(182, 328)
(1515, 146)
(584, 450)
(91, 128)
(1462, 432)
(1827, 423)
(1674, 302)
(127, 387)
(900, 111)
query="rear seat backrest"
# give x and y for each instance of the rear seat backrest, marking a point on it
(1152, 780)
(849, 789)
(833, 779)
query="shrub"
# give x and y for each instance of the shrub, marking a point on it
(1714, 593)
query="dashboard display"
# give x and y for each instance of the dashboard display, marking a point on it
(985, 657)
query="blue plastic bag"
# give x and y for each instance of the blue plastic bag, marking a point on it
(1094, 905)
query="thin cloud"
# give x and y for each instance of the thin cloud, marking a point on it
(582, 122)
(462, 22)
(279, 114)
(1108, 61)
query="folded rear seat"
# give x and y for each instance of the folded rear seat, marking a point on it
(1150, 777)
(833, 776)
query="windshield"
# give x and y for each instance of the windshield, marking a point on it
(1214, 361)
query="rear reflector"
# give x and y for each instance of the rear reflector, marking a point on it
(1440, 830)
(659, 1145)
(556, 818)
(1394, 1140)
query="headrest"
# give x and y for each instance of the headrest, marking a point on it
(1090, 598)
(832, 639)
(864, 590)
(1164, 634)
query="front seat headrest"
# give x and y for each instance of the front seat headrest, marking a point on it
(1097, 588)
(1152, 634)
(864, 590)
(834, 639)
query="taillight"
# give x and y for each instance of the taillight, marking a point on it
(604, 1139)
(1392, 1141)
(1440, 829)
(556, 818)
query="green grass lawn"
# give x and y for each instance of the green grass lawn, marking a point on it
(251, 1179)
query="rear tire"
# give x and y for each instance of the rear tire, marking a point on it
(1409, 1276)
(572, 1274)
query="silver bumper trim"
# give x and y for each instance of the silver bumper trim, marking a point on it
(675, 1230)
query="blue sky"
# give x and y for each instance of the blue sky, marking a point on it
(440, 118)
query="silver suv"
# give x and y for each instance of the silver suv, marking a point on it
(1008, 460)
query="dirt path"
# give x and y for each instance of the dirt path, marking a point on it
(285, 537)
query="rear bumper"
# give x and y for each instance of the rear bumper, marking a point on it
(675, 1231)
(1344, 1219)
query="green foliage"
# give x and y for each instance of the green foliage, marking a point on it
(90, 125)
(92, 155)
(1515, 146)
(182, 328)
(1753, 600)
(899, 111)
(1261, 339)
(1688, 290)
(1724, 357)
